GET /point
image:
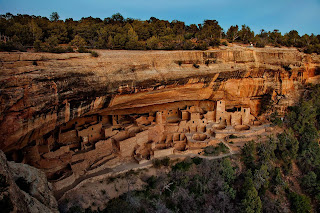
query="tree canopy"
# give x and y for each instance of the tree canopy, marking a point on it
(118, 32)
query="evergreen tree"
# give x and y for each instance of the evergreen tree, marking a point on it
(233, 33)
(54, 16)
(78, 41)
(132, 43)
(245, 34)
(251, 202)
(153, 43)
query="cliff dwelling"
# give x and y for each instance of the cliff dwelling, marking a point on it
(73, 122)
(88, 144)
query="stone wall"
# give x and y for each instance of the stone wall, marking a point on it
(128, 146)
(93, 132)
(69, 137)
(163, 152)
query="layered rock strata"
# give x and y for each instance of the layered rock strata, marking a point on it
(59, 110)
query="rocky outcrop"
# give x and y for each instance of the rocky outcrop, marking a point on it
(41, 91)
(24, 188)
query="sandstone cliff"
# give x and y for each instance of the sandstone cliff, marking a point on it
(40, 91)
(24, 188)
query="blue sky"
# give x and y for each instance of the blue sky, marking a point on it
(285, 15)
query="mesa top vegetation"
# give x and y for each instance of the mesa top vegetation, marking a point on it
(18, 32)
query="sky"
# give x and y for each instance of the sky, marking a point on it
(284, 15)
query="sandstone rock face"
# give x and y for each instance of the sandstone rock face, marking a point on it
(24, 188)
(44, 96)
(40, 189)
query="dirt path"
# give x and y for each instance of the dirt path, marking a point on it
(131, 166)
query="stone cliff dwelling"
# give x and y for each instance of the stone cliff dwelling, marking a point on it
(74, 116)
(90, 143)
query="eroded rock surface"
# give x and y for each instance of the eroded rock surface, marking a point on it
(24, 188)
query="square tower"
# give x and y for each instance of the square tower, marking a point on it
(245, 115)
(220, 110)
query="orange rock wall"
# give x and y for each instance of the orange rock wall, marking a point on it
(36, 99)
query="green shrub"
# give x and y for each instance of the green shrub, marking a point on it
(78, 41)
(45, 47)
(248, 154)
(11, 46)
(152, 181)
(233, 136)
(222, 148)
(299, 203)
(275, 119)
(215, 42)
(156, 163)
(260, 44)
(52, 41)
(165, 161)
(37, 46)
(57, 50)
(277, 45)
(211, 150)
(188, 45)
(312, 49)
(69, 49)
(83, 50)
(94, 54)
(182, 166)
(224, 43)
(118, 205)
(201, 46)
(197, 160)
